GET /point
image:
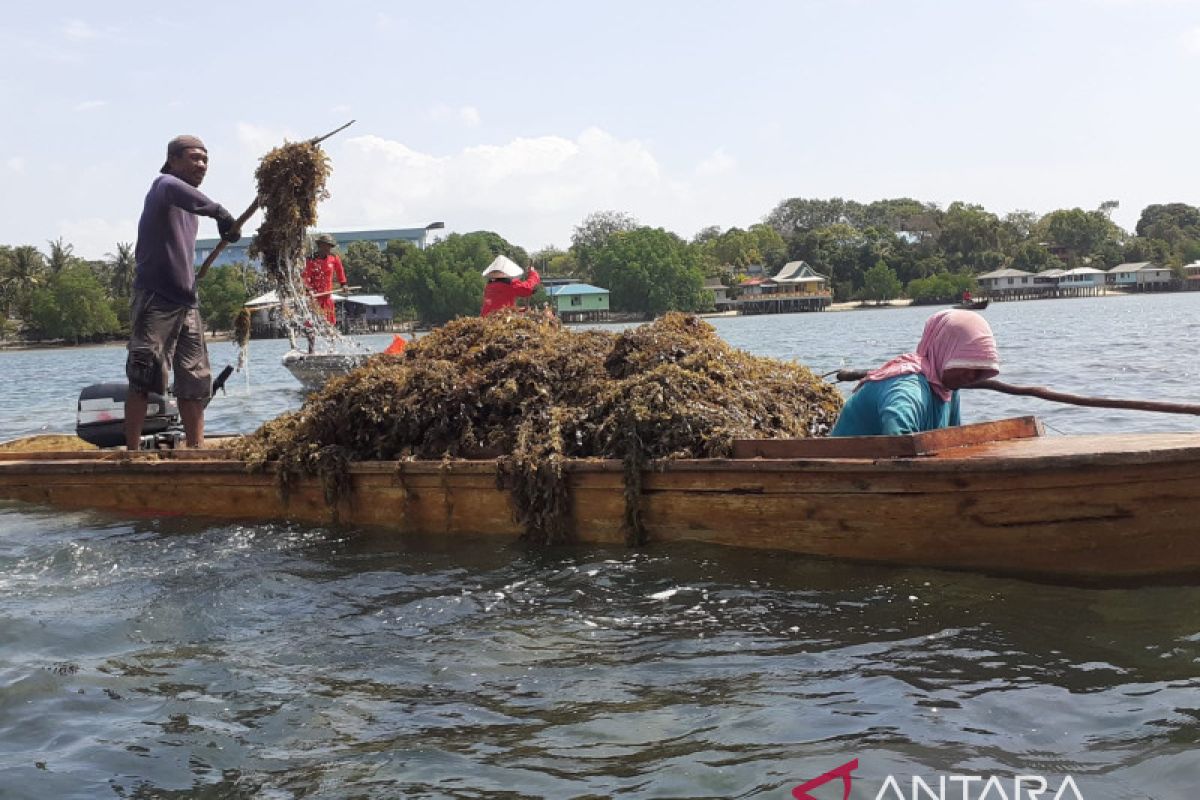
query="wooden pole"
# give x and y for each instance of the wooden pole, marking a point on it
(1058, 397)
(249, 212)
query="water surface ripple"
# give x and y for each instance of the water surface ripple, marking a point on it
(165, 658)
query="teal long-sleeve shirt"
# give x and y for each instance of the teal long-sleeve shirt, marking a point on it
(904, 404)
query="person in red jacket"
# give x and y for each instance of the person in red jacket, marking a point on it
(504, 285)
(320, 271)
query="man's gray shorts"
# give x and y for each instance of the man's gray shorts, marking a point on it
(165, 335)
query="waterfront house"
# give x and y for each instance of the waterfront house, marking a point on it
(1191, 275)
(799, 276)
(796, 287)
(720, 294)
(363, 313)
(1017, 284)
(1007, 283)
(1125, 275)
(578, 302)
(1141, 275)
(355, 313)
(1083, 277)
(1048, 278)
(1155, 277)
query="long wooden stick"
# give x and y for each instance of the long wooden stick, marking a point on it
(1058, 397)
(249, 212)
(314, 294)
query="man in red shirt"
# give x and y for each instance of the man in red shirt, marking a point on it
(503, 287)
(320, 272)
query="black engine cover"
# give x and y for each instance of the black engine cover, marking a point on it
(101, 414)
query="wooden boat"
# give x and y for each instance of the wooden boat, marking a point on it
(973, 305)
(998, 497)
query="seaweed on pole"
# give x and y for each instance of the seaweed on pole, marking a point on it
(291, 182)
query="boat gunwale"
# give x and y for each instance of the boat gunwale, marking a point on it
(971, 460)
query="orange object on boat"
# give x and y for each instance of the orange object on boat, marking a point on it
(397, 346)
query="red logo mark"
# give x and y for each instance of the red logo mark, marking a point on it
(843, 772)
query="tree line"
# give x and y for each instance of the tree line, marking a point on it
(870, 251)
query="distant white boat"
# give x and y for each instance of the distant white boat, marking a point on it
(314, 369)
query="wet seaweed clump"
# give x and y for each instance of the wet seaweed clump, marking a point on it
(291, 181)
(534, 394)
(241, 335)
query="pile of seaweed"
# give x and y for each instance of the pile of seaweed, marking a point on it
(534, 394)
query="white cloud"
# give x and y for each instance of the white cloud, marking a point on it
(15, 163)
(92, 237)
(532, 191)
(1191, 40)
(91, 105)
(718, 163)
(258, 140)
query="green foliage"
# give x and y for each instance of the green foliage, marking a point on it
(591, 235)
(122, 268)
(222, 293)
(845, 253)
(968, 231)
(651, 271)
(73, 306)
(1079, 234)
(1033, 257)
(945, 287)
(552, 262)
(736, 249)
(798, 215)
(445, 280)
(62, 256)
(366, 266)
(22, 270)
(880, 284)
(1175, 230)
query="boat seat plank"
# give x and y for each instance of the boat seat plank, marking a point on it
(910, 446)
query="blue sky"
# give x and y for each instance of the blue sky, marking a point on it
(523, 117)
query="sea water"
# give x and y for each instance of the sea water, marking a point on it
(167, 658)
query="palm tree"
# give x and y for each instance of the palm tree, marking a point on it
(62, 255)
(26, 272)
(122, 267)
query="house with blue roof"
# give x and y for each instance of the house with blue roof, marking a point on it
(578, 302)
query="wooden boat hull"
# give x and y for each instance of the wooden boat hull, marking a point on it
(1081, 507)
(974, 305)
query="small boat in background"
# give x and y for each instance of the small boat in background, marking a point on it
(973, 305)
(314, 369)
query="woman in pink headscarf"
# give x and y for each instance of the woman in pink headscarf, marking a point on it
(917, 391)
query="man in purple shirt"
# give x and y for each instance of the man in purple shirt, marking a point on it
(166, 329)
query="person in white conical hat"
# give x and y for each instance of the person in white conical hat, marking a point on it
(504, 285)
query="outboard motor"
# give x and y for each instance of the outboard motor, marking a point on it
(100, 419)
